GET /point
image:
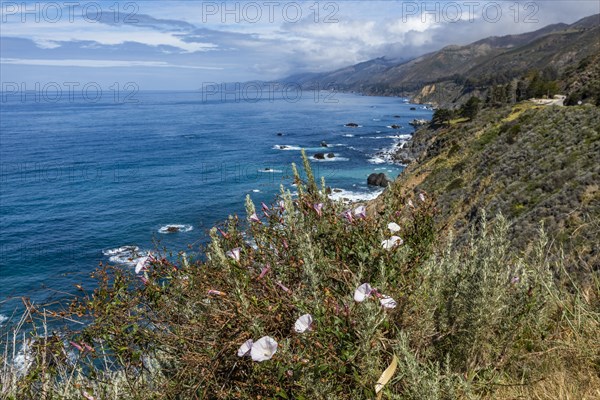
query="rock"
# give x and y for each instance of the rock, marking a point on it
(324, 144)
(413, 108)
(396, 116)
(352, 125)
(395, 126)
(378, 180)
(172, 229)
(328, 190)
(283, 147)
(330, 155)
(279, 134)
(337, 190)
(319, 156)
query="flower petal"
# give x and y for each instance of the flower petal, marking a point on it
(360, 212)
(303, 323)
(318, 208)
(141, 264)
(234, 253)
(362, 293)
(393, 227)
(392, 242)
(245, 349)
(387, 302)
(263, 349)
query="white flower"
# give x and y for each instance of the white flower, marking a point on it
(234, 253)
(303, 323)
(141, 264)
(387, 302)
(360, 212)
(392, 242)
(422, 197)
(263, 349)
(244, 349)
(362, 293)
(393, 227)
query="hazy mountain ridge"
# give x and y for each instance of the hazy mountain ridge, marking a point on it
(488, 61)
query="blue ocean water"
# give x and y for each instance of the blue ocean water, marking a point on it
(81, 178)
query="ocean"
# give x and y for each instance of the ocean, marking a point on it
(82, 178)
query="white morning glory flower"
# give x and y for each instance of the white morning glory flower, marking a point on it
(141, 264)
(263, 349)
(387, 302)
(318, 208)
(393, 227)
(362, 293)
(303, 323)
(244, 349)
(360, 212)
(234, 253)
(392, 242)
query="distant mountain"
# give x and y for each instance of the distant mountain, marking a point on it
(489, 61)
(346, 77)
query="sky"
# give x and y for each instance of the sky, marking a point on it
(184, 45)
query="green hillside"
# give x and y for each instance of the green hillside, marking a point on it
(531, 163)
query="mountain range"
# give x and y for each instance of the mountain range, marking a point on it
(453, 71)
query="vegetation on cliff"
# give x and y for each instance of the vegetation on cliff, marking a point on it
(445, 320)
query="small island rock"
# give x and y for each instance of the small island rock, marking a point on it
(378, 180)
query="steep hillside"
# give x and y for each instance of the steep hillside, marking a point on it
(533, 164)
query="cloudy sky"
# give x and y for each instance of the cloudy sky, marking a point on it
(183, 44)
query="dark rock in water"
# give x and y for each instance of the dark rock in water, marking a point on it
(337, 190)
(172, 229)
(352, 125)
(283, 147)
(396, 116)
(324, 144)
(395, 126)
(319, 156)
(279, 134)
(378, 180)
(330, 155)
(413, 108)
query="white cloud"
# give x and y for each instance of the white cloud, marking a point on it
(101, 63)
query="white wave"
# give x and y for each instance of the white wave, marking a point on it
(119, 250)
(376, 119)
(270, 171)
(332, 159)
(286, 147)
(256, 190)
(348, 135)
(3, 318)
(125, 255)
(24, 357)
(172, 228)
(402, 137)
(352, 196)
(376, 160)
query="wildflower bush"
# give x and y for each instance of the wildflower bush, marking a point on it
(277, 307)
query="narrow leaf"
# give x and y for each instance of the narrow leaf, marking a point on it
(385, 377)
